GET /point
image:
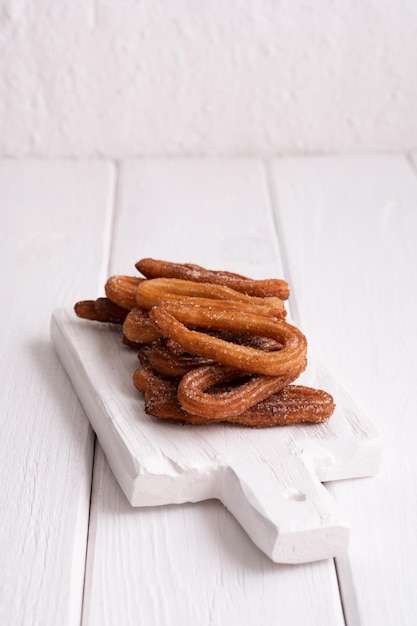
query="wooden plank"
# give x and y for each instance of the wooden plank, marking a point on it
(55, 220)
(350, 227)
(193, 564)
(269, 479)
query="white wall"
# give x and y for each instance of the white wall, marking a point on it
(121, 78)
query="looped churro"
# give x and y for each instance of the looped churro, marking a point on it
(194, 397)
(168, 358)
(170, 320)
(213, 346)
(154, 291)
(291, 405)
(152, 268)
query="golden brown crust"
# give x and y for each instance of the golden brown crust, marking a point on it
(170, 320)
(86, 310)
(168, 358)
(152, 268)
(291, 405)
(141, 378)
(172, 364)
(213, 346)
(138, 328)
(158, 290)
(122, 290)
(196, 396)
(100, 310)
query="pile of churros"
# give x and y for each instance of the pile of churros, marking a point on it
(213, 346)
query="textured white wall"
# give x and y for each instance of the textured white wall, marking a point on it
(120, 78)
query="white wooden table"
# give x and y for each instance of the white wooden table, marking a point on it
(343, 232)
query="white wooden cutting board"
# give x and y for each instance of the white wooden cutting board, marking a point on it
(269, 479)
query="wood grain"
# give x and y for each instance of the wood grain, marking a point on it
(346, 228)
(193, 564)
(54, 228)
(350, 227)
(268, 478)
